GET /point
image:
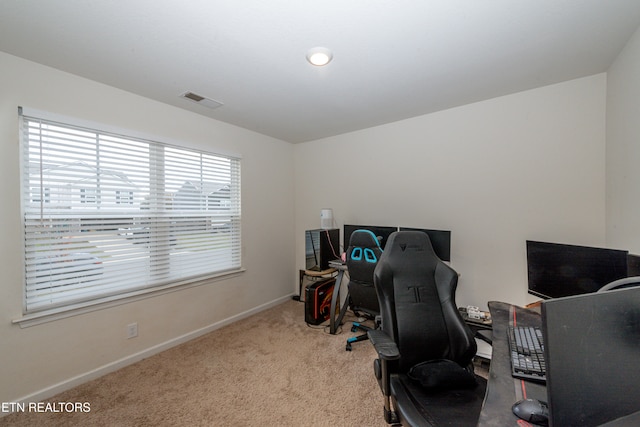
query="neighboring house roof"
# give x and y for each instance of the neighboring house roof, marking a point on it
(206, 188)
(190, 195)
(84, 171)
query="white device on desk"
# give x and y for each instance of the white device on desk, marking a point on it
(474, 312)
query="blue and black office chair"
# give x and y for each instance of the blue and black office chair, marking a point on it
(363, 254)
(425, 349)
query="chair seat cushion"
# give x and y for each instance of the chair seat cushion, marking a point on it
(417, 406)
(442, 374)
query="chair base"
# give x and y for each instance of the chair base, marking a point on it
(355, 327)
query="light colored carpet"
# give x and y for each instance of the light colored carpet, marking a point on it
(267, 370)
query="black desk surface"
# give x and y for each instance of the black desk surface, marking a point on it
(502, 389)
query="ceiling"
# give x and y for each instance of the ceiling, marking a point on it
(392, 60)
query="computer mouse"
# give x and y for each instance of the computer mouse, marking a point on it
(532, 410)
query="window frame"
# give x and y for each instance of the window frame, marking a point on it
(198, 224)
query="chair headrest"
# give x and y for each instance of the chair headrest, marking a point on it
(364, 239)
(363, 255)
(409, 242)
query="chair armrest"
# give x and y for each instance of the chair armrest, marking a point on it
(387, 352)
(384, 345)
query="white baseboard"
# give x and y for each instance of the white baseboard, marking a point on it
(136, 357)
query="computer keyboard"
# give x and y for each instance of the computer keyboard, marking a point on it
(527, 353)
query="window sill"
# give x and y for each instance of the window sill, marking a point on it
(59, 313)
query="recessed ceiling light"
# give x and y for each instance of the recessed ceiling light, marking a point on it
(319, 56)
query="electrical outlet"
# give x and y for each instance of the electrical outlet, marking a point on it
(132, 330)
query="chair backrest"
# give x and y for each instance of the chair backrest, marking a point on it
(416, 292)
(626, 282)
(363, 254)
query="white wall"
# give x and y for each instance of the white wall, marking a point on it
(525, 166)
(496, 173)
(43, 359)
(623, 148)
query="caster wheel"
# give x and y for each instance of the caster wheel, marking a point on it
(348, 348)
(354, 329)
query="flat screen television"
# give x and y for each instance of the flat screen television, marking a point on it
(440, 240)
(558, 270)
(382, 232)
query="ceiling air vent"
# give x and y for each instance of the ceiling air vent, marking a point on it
(199, 99)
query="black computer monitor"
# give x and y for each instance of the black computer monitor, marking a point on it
(592, 354)
(321, 246)
(440, 240)
(633, 265)
(558, 270)
(382, 232)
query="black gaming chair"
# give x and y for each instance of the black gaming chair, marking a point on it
(363, 254)
(425, 349)
(626, 282)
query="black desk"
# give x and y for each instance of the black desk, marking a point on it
(502, 389)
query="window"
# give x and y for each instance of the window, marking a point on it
(124, 197)
(107, 215)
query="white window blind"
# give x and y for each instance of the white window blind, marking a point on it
(107, 215)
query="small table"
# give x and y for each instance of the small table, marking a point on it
(314, 274)
(334, 321)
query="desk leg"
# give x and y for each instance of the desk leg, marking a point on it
(333, 322)
(300, 281)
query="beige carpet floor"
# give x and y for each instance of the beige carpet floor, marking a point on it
(267, 370)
